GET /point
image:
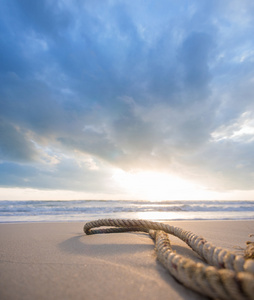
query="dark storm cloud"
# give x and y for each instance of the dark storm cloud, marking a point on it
(136, 85)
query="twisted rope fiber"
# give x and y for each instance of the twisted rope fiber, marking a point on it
(228, 276)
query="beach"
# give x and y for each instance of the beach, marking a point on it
(58, 261)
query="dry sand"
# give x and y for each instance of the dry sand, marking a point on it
(58, 261)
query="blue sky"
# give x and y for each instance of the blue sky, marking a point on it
(101, 99)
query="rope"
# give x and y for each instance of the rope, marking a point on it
(225, 276)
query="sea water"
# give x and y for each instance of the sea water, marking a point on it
(86, 210)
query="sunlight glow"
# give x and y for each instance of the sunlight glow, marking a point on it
(158, 186)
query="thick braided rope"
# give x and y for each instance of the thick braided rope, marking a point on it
(236, 281)
(206, 280)
(215, 256)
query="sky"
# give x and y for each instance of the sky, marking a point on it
(119, 99)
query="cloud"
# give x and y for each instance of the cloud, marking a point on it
(15, 144)
(86, 174)
(240, 130)
(161, 86)
(194, 55)
(43, 17)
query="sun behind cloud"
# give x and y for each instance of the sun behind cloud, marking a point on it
(149, 185)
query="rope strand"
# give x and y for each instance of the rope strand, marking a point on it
(228, 276)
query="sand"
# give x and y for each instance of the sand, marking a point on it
(58, 261)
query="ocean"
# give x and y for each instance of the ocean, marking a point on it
(87, 210)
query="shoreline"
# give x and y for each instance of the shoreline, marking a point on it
(56, 260)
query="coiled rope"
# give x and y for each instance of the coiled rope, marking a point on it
(225, 275)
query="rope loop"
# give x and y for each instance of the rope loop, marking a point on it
(222, 275)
